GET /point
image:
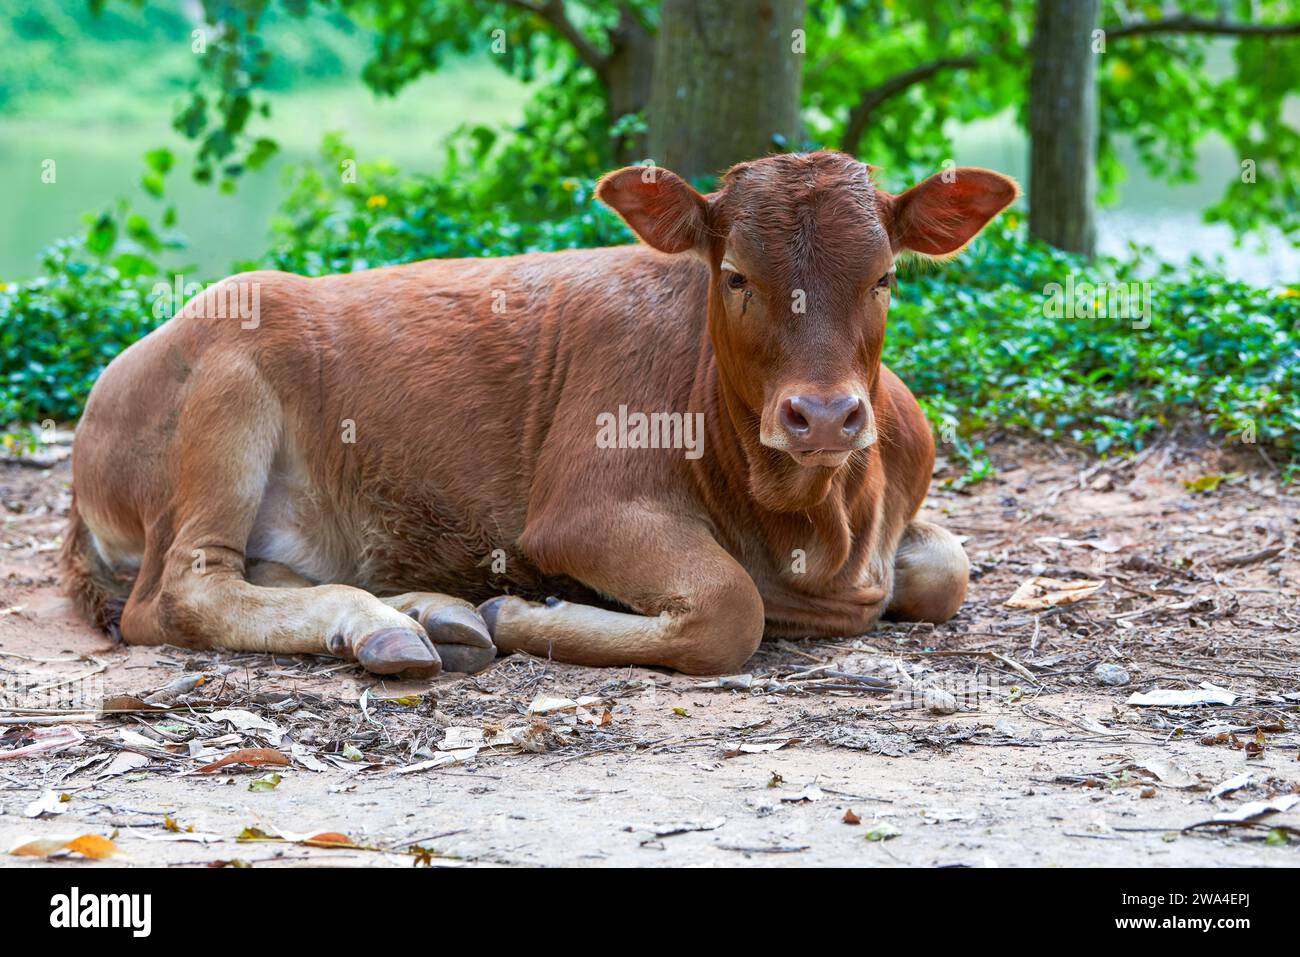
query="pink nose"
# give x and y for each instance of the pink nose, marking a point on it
(817, 424)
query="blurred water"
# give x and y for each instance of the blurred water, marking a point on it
(1150, 212)
(101, 158)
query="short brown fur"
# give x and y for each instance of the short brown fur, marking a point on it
(210, 449)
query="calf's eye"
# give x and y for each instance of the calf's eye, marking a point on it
(736, 281)
(888, 281)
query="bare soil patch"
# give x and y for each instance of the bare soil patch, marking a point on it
(1042, 762)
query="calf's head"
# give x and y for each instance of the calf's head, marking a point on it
(802, 250)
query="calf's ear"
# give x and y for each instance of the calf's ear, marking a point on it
(942, 214)
(659, 206)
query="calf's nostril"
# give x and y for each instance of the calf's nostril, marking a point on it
(792, 418)
(856, 419)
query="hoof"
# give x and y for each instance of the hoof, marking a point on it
(461, 638)
(488, 612)
(466, 658)
(396, 651)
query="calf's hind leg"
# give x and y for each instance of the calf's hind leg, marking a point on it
(930, 575)
(192, 587)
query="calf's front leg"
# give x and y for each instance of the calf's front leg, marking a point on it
(696, 609)
(458, 634)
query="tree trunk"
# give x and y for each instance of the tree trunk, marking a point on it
(1063, 126)
(627, 77)
(726, 83)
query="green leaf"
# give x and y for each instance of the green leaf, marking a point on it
(262, 151)
(1206, 483)
(138, 228)
(153, 184)
(133, 265)
(102, 235)
(160, 160)
(268, 782)
(882, 831)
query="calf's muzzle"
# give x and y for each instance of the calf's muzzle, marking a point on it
(814, 424)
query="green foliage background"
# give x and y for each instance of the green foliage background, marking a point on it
(970, 337)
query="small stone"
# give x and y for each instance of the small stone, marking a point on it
(1109, 674)
(938, 701)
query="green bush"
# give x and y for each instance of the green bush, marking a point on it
(378, 217)
(973, 338)
(58, 332)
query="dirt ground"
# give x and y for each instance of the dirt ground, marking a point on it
(1043, 763)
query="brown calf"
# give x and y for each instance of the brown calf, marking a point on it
(326, 477)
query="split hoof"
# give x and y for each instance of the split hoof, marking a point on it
(462, 639)
(396, 651)
(489, 610)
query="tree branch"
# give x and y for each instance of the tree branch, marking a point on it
(1188, 24)
(871, 98)
(552, 11)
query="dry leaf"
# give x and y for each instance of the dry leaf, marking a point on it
(124, 763)
(1108, 545)
(253, 757)
(43, 847)
(93, 846)
(307, 839)
(307, 759)
(247, 721)
(50, 802)
(126, 702)
(1255, 809)
(735, 751)
(90, 846)
(1169, 774)
(1039, 592)
(546, 705)
(810, 793)
(1232, 784)
(1207, 693)
(441, 760)
(850, 817)
(46, 739)
(679, 827)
